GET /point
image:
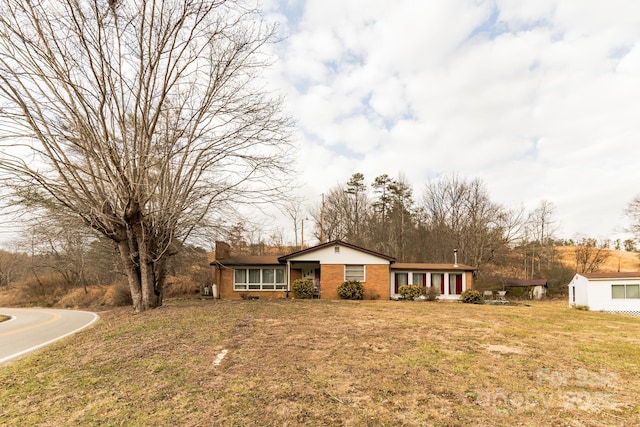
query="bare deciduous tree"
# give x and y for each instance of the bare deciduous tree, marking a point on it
(295, 210)
(461, 216)
(13, 266)
(144, 118)
(61, 244)
(589, 256)
(633, 212)
(541, 228)
(336, 215)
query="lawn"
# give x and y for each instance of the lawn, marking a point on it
(334, 363)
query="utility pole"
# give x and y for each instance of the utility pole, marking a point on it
(322, 220)
(302, 234)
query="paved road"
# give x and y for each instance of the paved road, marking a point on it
(32, 328)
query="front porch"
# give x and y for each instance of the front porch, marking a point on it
(450, 284)
(306, 270)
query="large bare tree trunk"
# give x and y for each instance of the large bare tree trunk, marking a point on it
(132, 273)
(149, 297)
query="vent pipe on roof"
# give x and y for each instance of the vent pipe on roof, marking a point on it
(455, 257)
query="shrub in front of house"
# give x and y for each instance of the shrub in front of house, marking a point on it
(303, 288)
(351, 289)
(410, 291)
(432, 293)
(471, 296)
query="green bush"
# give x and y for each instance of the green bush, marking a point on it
(303, 288)
(351, 289)
(410, 291)
(471, 296)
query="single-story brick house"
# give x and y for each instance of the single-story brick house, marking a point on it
(329, 265)
(617, 292)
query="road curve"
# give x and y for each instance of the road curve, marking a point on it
(29, 329)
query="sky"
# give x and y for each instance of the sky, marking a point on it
(539, 99)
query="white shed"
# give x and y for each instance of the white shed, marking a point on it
(611, 292)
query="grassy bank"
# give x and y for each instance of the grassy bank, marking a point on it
(334, 363)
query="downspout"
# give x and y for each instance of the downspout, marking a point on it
(288, 278)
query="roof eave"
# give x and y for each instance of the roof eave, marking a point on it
(284, 258)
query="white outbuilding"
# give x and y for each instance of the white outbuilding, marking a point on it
(617, 292)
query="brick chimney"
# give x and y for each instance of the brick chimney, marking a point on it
(223, 250)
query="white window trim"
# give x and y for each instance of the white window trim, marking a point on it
(626, 285)
(244, 287)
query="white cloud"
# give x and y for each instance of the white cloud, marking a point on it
(537, 98)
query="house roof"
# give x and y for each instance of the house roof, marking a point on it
(612, 275)
(428, 266)
(517, 283)
(334, 243)
(247, 260)
(235, 260)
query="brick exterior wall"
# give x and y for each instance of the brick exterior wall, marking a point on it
(469, 280)
(331, 276)
(225, 284)
(295, 275)
(376, 285)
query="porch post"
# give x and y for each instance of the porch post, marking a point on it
(446, 283)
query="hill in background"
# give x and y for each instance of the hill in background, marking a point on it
(615, 260)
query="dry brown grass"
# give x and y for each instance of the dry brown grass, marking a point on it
(334, 363)
(622, 260)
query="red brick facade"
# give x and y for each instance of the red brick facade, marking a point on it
(376, 285)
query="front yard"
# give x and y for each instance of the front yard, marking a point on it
(334, 363)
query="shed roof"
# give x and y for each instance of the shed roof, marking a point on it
(520, 283)
(612, 275)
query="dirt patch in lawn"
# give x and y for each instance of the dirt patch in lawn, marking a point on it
(503, 349)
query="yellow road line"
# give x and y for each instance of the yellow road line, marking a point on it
(55, 316)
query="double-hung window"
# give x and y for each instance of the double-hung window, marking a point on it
(354, 272)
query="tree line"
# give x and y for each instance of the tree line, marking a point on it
(450, 214)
